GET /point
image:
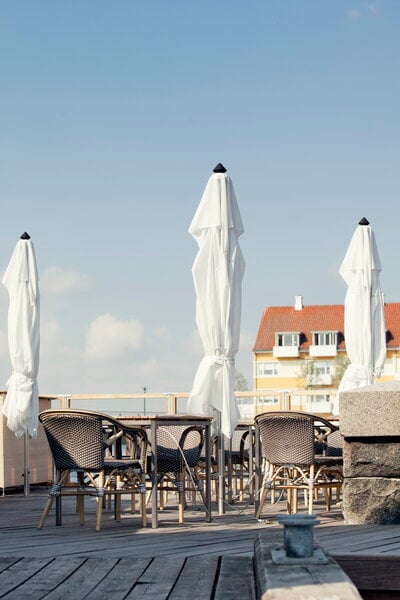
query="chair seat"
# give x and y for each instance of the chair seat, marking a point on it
(122, 464)
(329, 461)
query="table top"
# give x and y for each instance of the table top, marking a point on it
(165, 418)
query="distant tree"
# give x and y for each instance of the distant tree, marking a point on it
(241, 384)
(341, 364)
(308, 372)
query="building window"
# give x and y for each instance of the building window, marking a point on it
(325, 338)
(287, 339)
(319, 399)
(322, 368)
(267, 369)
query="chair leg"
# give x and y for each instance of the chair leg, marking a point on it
(263, 497)
(54, 491)
(241, 483)
(142, 500)
(181, 494)
(99, 501)
(311, 490)
(289, 501)
(80, 499)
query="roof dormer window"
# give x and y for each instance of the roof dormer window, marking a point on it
(287, 339)
(324, 343)
(324, 338)
(287, 344)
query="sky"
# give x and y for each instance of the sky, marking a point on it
(112, 117)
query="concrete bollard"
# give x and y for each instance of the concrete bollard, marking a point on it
(298, 535)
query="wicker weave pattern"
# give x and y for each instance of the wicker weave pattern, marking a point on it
(75, 440)
(287, 438)
(175, 442)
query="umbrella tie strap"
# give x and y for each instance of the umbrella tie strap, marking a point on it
(222, 360)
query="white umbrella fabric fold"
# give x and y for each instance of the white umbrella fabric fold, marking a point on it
(21, 405)
(217, 273)
(364, 318)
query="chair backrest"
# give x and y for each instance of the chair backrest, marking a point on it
(75, 439)
(239, 446)
(175, 442)
(334, 444)
(287, 437)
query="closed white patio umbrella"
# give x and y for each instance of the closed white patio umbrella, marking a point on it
(364, 318)
(217, 273)
(21, 405)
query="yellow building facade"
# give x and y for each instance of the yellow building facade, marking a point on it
(299, 355)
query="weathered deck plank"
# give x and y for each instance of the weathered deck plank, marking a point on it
(45, 579)
(120, 580)
(236, 579)
(83, 580)
(134, 562)
(157, 582)
(20, 572)
(196, 579)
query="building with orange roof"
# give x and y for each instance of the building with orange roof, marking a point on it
(303, 347)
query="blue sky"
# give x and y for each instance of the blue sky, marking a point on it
(113, 115)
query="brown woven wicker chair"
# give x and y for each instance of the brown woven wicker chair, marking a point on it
(290, 442)
(237, 459)
(90, 445)
(178, 456)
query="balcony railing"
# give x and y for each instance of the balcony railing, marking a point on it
(327, 350)
(286, 351)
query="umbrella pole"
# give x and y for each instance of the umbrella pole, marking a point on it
(221, 466)
(26, 464)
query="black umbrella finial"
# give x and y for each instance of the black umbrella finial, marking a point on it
(25, 236)
(219, 168)
(363, 221)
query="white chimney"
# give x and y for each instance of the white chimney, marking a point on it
(298, 302)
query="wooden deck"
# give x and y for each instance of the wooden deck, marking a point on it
(196, 560)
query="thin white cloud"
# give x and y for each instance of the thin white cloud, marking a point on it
(353, 13)
(246, 343)
(162, 333)
(193, 344)
(57, 282)
(109, 339)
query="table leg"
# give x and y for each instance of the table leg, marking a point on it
(208, 473)
(154, 470)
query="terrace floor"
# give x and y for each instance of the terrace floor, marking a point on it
(194, 560)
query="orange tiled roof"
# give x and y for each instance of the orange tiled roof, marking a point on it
(328, 317)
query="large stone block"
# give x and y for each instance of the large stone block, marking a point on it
(369, 500)
(372, 457)
(371, 411)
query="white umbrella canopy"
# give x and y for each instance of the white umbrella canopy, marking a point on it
(364, 318)
(217, 273)
(21, 405)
